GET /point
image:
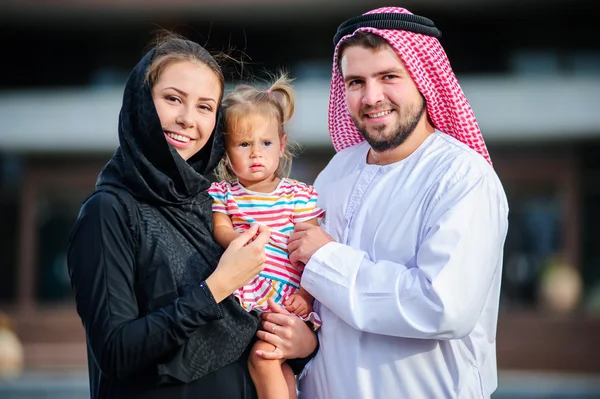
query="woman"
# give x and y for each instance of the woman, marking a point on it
(153, 288)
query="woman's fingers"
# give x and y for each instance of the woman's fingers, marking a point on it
(277, 354)
(262, 238)
(281, 331)
(276, 335)
(245, 237)
(241, 262)
(269, 336)
(275, 308)
(280, 320)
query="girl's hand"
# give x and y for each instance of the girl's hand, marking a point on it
(292, 338)
(297, 304)
(241, 262)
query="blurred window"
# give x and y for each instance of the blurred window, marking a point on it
(10, 173)
(543, 232)
(56, 214)
(534, 239)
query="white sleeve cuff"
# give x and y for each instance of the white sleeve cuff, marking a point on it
(333, 265)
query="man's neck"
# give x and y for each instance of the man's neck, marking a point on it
(414, 141)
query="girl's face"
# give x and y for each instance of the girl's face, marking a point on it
(255, 150)
(186, 98)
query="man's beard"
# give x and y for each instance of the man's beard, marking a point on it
(402, 131)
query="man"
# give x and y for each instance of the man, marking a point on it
(406, 266)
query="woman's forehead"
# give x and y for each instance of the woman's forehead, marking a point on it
(195, 79)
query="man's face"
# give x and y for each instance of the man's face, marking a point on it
(382, 98)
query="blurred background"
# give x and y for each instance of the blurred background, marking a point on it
(530, 69)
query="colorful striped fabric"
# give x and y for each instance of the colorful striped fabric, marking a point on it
(290, 203)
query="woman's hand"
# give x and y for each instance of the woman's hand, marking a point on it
(290, 335)
(243, 260)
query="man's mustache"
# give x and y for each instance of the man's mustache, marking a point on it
(380, 107)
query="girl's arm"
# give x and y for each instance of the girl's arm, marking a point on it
(223, 229)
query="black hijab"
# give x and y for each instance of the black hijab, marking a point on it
(146, 165)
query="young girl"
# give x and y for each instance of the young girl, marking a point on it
(255, 189)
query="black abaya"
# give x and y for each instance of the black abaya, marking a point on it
(138, 255)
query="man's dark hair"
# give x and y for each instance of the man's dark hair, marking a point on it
(366, 40)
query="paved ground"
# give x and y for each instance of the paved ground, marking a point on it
(73, 385)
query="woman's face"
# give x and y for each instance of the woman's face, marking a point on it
(186, 97)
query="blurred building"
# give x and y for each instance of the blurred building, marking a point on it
(530, 69)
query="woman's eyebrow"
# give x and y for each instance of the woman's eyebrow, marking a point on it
(184, 94)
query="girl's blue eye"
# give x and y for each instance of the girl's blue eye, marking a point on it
(267, 143)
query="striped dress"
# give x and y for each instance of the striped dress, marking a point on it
(291, 202)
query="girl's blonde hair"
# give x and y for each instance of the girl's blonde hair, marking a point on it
(247, 101)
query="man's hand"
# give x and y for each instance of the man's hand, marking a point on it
(304, 242)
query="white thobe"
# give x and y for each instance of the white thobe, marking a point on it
(409, 292)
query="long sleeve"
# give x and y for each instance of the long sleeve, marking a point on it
(442, 294)
(102, 266)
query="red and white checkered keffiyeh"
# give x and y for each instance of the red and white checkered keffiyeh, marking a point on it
(429, 67)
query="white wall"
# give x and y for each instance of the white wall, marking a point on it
(507, 108)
